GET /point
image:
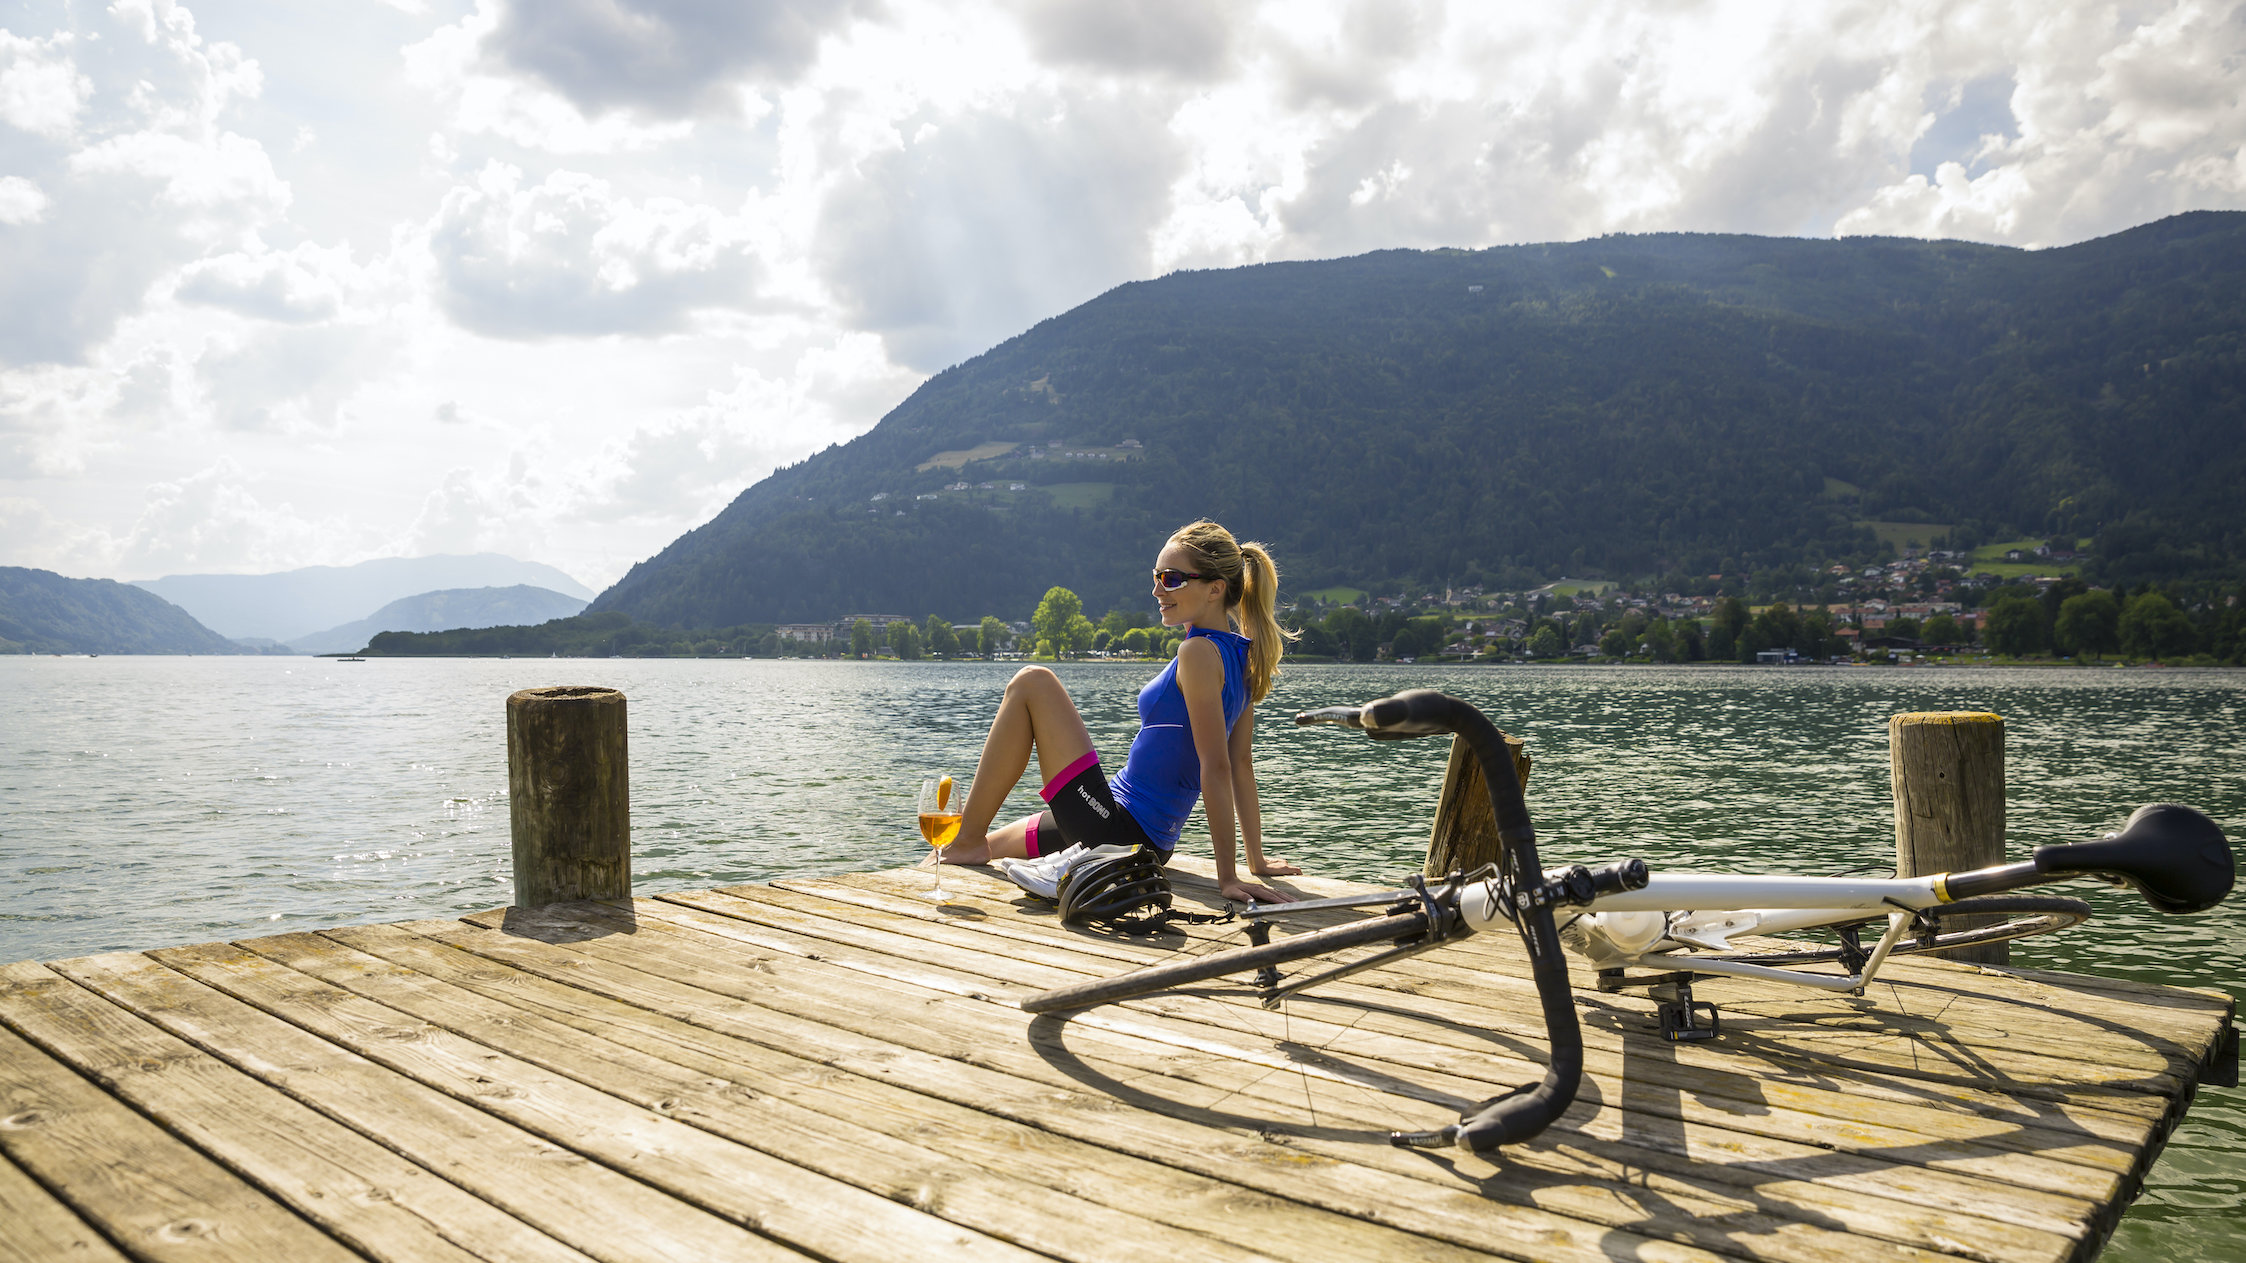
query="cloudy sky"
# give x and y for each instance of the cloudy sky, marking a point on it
(294, 284)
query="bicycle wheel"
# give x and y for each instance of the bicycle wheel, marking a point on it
(1176, 973)
(2024, 915)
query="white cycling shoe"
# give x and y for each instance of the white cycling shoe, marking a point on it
(1042, 876)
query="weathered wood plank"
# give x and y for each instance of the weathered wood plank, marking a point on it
(837, 1067)
(654, 1021)
(2186, 1018)
(1488, 966)
(358, 1191)
(2189, 1020)
(36, 1228)
(1093, 1117)
(2085, 1168)
(823, 1216)
(1905, 1205)
(1739, 1216)
(605, 1214)
(144, 1189)
(948, 1098)
(1469, 1014)
(1196, 877)
(993, 1038)
(2125, 1117)
(727, 1101)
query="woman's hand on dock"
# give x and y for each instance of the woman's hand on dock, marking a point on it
(1240, 891)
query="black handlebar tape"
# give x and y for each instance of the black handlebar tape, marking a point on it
(1418, 713)
(1522, 1114)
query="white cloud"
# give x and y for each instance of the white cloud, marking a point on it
(154, 388)
(976, 226)
(1184, 39)
(614, 260)
(570, 256)
(685, 467)
(296, 286)
(1950, 205)
(291, 379)
(139, 176)
(2118, 116)
(44, 540)
(210, 520)
(666, 57)
(459, 515)
(41, 90)
(21, 201)
(456, 63)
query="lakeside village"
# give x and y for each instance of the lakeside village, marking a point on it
(1991, 606)
(1921, 609)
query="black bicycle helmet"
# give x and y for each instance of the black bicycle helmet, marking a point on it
(1114, 888)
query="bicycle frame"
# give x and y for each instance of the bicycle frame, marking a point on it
(1622, 915)
(2174, 856)
(1745, 905)
(1672, 914)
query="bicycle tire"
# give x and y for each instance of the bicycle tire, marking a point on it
(2031, 915)
(1175, 973)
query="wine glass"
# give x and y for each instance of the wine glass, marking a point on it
(939, 822)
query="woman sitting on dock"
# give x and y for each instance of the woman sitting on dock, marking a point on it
(1191, 743)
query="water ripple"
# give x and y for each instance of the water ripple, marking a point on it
(153, 801)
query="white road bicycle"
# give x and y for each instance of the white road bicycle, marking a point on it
(1661, 931)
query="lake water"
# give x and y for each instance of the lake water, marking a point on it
(154, 801)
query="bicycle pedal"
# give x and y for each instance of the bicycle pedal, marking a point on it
(1679, 1027)
(1679, 1013)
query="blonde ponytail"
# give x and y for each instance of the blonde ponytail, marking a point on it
(1259, 598)
(1251, 596)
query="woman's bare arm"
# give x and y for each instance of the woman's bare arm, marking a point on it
(1246, 804)
(1201, 680)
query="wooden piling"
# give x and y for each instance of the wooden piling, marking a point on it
(1947, 770)
(569, 795)
(1465, 834)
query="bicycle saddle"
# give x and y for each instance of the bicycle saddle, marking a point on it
(2176, 857)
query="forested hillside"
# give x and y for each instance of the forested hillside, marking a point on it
(44, 612)
(1627, 406)
(518, 605)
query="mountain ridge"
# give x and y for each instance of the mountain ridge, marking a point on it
(288, 604)
(44, 612)
(445, 610)
(1644, 405)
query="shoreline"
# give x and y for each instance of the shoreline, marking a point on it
(1290, 661)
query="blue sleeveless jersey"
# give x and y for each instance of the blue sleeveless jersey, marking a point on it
(1161, 780)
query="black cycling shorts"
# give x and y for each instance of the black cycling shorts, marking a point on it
(1080, 808)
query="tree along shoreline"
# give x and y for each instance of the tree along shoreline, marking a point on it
(2018, 623)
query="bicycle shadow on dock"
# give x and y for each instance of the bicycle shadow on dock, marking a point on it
(1946, 1073)
(1047, 1039)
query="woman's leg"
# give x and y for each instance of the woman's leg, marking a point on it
(1036, 714)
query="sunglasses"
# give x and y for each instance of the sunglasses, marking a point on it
(1172, 580)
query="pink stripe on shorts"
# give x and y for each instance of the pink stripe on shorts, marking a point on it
(1089, 758)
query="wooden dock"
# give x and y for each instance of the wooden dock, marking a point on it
(835, 1069)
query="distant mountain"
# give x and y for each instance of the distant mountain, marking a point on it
(444, 611)
(297, 603)
(43, 612)
(1674, 404)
